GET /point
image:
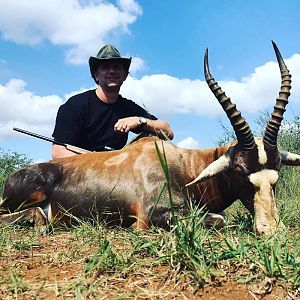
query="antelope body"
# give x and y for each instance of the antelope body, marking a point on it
(122, 187)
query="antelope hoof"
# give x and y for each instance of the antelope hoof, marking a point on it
(213, 220)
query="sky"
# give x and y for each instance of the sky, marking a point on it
(45, 46)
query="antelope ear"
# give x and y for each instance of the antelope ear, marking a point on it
(219, 165)
(289, 158)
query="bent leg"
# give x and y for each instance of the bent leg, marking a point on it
(142, 221)
(161, 217)
(34, 215)
(213, 220)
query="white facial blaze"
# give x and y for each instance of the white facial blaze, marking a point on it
(266, 217)
(262, 155)
(264, 177)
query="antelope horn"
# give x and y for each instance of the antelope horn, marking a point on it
(289, 158)
(271, 133)
(240, 126)
(216, 167)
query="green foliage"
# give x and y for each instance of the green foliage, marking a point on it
(289, 137)
(288, 189)
(17, 284)
(8, 243)
(105, 260)
(163, 161)
(9, 162)
(227, 135)
(192, 249)
(205, 256)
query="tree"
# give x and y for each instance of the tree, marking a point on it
(10, 162)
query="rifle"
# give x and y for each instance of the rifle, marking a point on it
(69, 147)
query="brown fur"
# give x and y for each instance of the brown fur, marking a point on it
(120, 186)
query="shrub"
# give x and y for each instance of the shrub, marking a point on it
(288, 188)
(9, 162)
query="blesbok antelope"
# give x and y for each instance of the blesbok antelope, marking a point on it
(122, 186)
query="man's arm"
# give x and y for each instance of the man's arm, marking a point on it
(154, 126)
(59, 151)
(159, 126)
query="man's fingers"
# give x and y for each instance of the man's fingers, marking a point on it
(121, 127)
(126, 124)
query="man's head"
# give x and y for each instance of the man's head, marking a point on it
(108, 55)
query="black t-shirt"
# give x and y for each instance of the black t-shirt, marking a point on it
(87, 122)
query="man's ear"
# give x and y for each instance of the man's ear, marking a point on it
(95, 76)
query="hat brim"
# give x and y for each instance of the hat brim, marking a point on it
(94, 63)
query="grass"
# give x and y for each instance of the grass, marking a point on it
(288, 195)
(92, 261)
(83, 262)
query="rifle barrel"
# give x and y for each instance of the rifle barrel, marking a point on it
(45, 138)
(39, 136)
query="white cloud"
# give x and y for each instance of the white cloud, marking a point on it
(129, 6)
(81, 25)
(21, 108)
(189, 143)
(164, 94)
(137, 64)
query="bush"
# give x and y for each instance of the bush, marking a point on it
(9, 162)
(288, 189)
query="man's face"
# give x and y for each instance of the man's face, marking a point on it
(110, 74)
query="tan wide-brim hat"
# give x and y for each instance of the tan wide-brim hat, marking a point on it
(107, 52)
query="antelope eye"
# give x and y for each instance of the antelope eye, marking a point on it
(242, 169)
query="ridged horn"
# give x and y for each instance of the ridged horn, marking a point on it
(271, 133)
(240, 126)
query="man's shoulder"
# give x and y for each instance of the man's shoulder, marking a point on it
(125, 101)
(135, 109)
(80, 98)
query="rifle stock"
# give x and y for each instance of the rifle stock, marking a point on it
(76, 149)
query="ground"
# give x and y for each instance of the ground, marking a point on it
(55, 266)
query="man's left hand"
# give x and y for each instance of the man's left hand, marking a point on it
(126, 124)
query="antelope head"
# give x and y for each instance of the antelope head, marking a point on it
(252, 165)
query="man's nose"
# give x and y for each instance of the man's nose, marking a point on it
(112, 69)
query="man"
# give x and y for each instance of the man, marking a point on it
(99, 119)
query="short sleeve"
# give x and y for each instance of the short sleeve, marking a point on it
(68, 125)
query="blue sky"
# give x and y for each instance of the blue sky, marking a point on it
(45, 46)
